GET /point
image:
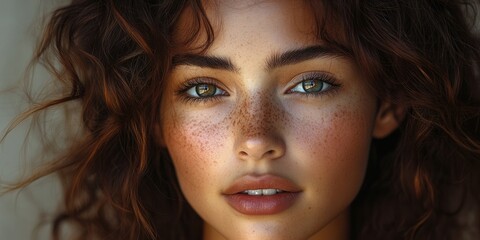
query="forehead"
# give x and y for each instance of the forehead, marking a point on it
(247, 22)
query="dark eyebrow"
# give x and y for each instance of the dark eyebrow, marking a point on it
(275, 61)
(300, 55)
(204, 61)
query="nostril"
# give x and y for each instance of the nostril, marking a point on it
(243, 154)
(270, 152)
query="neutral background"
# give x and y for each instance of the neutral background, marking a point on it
(20, 212)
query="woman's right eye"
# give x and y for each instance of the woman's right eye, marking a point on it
(201, 89)
(204, 90)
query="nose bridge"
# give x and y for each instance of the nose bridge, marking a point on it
(256, 115)
(256, 121)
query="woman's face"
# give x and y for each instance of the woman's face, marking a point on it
(269, 130)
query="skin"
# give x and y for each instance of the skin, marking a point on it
(257, 125)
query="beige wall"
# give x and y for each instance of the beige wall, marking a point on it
(20, 212)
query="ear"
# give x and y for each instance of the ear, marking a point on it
(389, 117)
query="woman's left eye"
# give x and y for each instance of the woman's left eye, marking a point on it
(312, 85)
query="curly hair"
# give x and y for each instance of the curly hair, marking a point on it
(113, 56)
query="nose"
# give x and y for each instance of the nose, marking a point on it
(260, 147)
(258, 123)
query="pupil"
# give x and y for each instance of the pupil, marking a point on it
(205, 90)
(312, 85)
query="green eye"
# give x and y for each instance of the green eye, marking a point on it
(314, 85)
(204, 90)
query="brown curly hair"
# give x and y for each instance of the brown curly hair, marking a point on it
(112, 56)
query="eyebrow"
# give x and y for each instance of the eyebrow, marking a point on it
(300, 55)
(204, 61)
(276, 60)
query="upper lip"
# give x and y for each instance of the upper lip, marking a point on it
(252, 182)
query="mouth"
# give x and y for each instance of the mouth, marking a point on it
(262, 195)
(261, 192)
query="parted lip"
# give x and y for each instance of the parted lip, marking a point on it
(252, 182)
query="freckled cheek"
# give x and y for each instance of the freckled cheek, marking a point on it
(334, 150)
(195, 146)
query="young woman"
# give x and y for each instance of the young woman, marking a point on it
(268, 119)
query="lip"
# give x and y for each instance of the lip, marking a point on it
(265, 204)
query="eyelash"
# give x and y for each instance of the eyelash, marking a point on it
(186, 86)
(320, 76)
(323, 77)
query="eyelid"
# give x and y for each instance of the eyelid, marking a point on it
(184, 86)
(190, 83)
(319, 75)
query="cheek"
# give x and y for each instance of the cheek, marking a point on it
(194, 145)
(333, 151)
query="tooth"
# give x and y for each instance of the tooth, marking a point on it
(269, 191)
(260, 192)
(255, 192)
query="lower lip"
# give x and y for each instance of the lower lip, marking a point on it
(262, 205)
